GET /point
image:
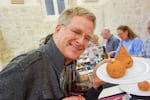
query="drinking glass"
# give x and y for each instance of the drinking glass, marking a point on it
(76, 83)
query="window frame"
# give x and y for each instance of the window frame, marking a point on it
(56, 10)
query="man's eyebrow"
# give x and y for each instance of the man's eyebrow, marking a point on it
(77, 30)
(80, 31)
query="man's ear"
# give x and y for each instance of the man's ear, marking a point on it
(58, 28)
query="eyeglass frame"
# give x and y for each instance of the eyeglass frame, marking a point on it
(78, 33)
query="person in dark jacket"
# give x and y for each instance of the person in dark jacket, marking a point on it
(39, 74)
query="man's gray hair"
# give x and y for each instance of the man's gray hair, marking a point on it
(68, 14)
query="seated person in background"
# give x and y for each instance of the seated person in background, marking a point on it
(112, 42)
(94, 41)
(129, 39)
(146, 45)
(47, 38)
(93, 46)
(44, 40)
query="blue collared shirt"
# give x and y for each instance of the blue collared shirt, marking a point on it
(133, 46)
(146, 48)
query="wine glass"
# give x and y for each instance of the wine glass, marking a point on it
(75, 83)
(82, 85)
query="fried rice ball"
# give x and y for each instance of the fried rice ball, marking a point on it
(124, 57)
(144, 86)
(116, 69)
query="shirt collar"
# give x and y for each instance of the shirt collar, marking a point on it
(56, 56)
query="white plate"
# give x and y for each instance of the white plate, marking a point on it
(138, 72)
(133, 89)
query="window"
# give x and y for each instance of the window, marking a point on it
(54, 7)
(49, 7)
(61, 5)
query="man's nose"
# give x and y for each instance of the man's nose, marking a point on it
(81, 39)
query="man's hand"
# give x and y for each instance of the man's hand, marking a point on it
(96, 81)
(110, 54)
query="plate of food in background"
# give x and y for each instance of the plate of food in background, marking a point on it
(140, 88)
(124, 69)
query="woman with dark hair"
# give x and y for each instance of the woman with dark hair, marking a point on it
(129, 40)
(44, 40)
(47, 38)
(125, 33)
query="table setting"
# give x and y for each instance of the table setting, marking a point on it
(127, 85)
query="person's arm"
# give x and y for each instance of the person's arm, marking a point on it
(96, 81)
(93, 93)
(113, 53)
(142, 53)
(10, 83)
(116, 44)
(137, 45)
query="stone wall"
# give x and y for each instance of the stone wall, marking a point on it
(112, 13)
(23, 25)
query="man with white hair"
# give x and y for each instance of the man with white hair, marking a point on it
(112, 42)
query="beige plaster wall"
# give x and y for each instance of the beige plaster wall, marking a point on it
(112, 13)
(23, 25)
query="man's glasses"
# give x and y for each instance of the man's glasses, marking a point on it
(120, 34)
(78, 33)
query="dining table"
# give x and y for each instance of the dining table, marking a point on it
(114, 91)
